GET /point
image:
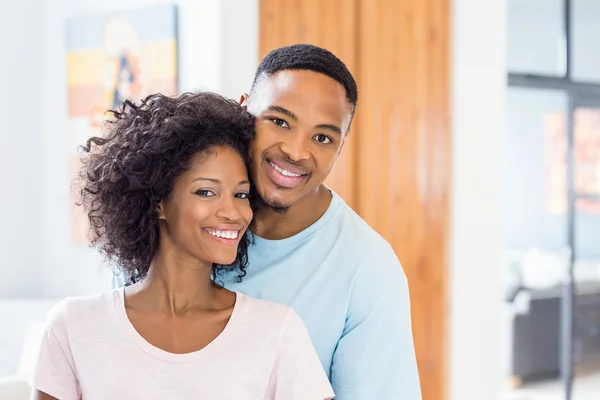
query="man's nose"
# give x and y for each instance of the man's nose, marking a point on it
(296, 147)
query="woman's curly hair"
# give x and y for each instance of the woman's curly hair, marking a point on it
(129, 171)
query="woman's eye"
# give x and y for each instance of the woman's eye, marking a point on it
(323, 139)
(204, 193)
(280, 122)
(242, 195)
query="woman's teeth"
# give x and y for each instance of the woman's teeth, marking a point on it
(223, 234)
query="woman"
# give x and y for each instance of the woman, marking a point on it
(167, 196)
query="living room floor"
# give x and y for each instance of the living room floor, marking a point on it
(585, 387)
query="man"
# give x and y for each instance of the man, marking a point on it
(310, 250)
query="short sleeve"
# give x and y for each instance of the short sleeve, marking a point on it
(54, 370)
(297, 372)
(375, 357)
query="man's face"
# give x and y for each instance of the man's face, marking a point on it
(302, 118)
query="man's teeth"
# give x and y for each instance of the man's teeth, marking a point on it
(284, 172)
(224, 234)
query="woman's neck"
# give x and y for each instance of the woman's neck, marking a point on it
(176, 285)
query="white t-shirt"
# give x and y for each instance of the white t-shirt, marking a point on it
(91, 351)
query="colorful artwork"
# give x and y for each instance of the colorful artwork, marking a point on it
(587, 161)
(111, 58)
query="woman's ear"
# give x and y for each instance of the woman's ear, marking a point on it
(161, 210)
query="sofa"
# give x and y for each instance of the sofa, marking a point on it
(22, 325)
(14, 387)
(533, 296)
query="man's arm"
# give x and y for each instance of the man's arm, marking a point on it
(375, 357)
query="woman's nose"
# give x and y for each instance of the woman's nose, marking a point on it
(228, 209)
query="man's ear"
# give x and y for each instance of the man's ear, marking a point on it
(244, 101)
(343, 142)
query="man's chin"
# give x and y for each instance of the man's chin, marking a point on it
(277, 205)
(280, 209)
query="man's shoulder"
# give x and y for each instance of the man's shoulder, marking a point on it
(363, 239)
(371, 260)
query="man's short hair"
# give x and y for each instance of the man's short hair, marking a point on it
(310, 58)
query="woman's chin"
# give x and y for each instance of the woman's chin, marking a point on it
(225, 260)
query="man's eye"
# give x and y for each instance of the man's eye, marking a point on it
(323, 139)
(280, 122)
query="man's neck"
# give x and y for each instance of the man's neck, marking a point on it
(272, 225)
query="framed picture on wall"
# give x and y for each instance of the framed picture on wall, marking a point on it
(113, 57)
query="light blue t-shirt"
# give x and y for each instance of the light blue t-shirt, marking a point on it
(346, 283)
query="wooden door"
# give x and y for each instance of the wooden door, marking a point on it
(405, 158)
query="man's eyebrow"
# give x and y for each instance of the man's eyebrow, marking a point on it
(332, 128)
(284, 111)
(329, 127)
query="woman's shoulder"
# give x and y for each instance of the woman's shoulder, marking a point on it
(82, 310)
(266, 313)
(263, 307)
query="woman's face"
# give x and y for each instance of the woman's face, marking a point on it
(208, 211)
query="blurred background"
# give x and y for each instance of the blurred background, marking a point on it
(475, 152)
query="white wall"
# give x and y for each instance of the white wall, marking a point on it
(217, 51)
(239, 35)
(21, 159)
(20, 173)
(478, 119)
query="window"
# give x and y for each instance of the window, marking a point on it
(536, 37)
(553, 144)
(585, 28)
(535, 211)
